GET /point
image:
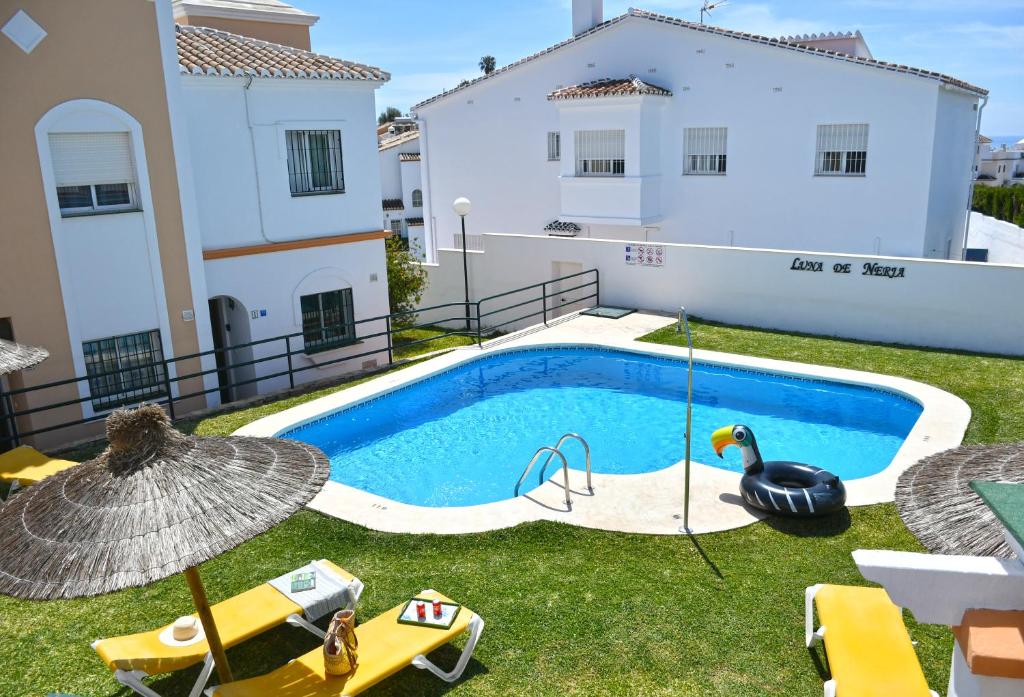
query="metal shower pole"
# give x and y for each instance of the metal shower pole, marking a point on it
(684, 322)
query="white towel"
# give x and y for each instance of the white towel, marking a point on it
(330, 594)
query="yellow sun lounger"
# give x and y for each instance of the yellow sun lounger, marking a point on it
(136, 656)
(25, 466)
(385, 647)
(869, 650)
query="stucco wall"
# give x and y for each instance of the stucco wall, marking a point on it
(489, 142)
(296, 35)
(934, 303)
(360, 266)
(105, 50)
(1004, 241)
(233, 187)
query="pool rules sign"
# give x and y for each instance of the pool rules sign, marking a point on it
(642, 254)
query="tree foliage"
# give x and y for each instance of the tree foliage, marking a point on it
(407, 279)
(487, 64)
(389, 114)
(1002, 202)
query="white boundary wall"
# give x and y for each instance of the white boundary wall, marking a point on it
(944, 304)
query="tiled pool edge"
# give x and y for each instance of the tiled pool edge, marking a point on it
(942, 424)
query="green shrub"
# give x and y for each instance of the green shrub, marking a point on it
(1002, 202)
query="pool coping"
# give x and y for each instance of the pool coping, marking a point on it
(642, 503)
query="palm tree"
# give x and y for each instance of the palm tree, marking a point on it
(487, 65)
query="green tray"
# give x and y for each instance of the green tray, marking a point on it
(449, 611)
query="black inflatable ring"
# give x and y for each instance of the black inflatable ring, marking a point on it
(793, 489)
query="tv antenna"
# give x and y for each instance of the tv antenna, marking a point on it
(708, 6)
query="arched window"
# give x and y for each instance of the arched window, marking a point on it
(417, 198)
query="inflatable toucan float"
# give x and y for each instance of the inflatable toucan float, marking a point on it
(782, 488)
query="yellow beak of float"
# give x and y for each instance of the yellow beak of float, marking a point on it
(722, 438)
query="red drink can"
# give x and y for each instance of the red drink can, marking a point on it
(421, 611)
(437, 608)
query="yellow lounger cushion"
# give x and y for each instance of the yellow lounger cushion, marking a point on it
(28, 466)
(238, 618)
(385, 647)
(869, 649)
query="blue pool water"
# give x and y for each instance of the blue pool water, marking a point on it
(463, 437)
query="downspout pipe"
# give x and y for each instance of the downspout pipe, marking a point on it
(970, 184)
(430, 253)
(255, 162)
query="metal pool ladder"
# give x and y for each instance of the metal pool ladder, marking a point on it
(565, 464)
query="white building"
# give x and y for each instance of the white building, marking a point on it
(402, 192)
(1002, 166)
(650, 127)
(184, 189)
(287, 189)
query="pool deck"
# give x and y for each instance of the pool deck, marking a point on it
(648, 503)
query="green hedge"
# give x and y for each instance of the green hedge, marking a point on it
(1003, 202)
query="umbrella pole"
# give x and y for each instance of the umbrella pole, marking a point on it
(220, 659)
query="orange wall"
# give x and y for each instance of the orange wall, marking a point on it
(296, 35)
(100, 49)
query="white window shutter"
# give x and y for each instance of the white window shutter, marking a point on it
(91, 158)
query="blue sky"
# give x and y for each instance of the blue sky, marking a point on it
(430, 46)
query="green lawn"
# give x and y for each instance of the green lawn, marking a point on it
(569, 611)
(424, 336)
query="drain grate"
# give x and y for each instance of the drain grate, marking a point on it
(608, 312)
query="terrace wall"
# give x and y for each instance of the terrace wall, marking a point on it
(943, 304)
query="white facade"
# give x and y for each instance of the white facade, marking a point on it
(488, 142)
(1001, 166)
(402, 188)
(238, 142)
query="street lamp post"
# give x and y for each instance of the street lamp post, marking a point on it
(462, 207)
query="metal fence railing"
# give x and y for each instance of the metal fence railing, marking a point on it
(182, 377)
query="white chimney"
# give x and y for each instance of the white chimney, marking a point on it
(586, 14)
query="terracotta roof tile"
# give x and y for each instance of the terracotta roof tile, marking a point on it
(408, 157)
(610, 87)
(557, 227)
(755, 38)
(392, 204)
(414, 221)
(205, 51)
(398, 139)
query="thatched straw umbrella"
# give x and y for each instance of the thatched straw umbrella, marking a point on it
(153, 504)
(14, 356)
(936, 502)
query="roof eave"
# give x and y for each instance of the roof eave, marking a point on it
(754, 38)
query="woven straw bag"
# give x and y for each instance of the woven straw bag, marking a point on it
(341, 647)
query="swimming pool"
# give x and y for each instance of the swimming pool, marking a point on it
(463, 437)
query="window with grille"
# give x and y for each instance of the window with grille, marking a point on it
(842, 150)
(314, 162)
(124, 369)
(327, 320)
(94, 172)
(417, 198)
(600, 153)
(704, 150)
(554, 146)
(396, 228)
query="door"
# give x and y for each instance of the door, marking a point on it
(562, 298)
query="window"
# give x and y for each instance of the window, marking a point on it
(124, 369)
(417, 198)
(600, 153)
(94, 172)
(704, 150)
(314, 162)
(554, 146)
(842, 150)
(327, 320)
(396, 228)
